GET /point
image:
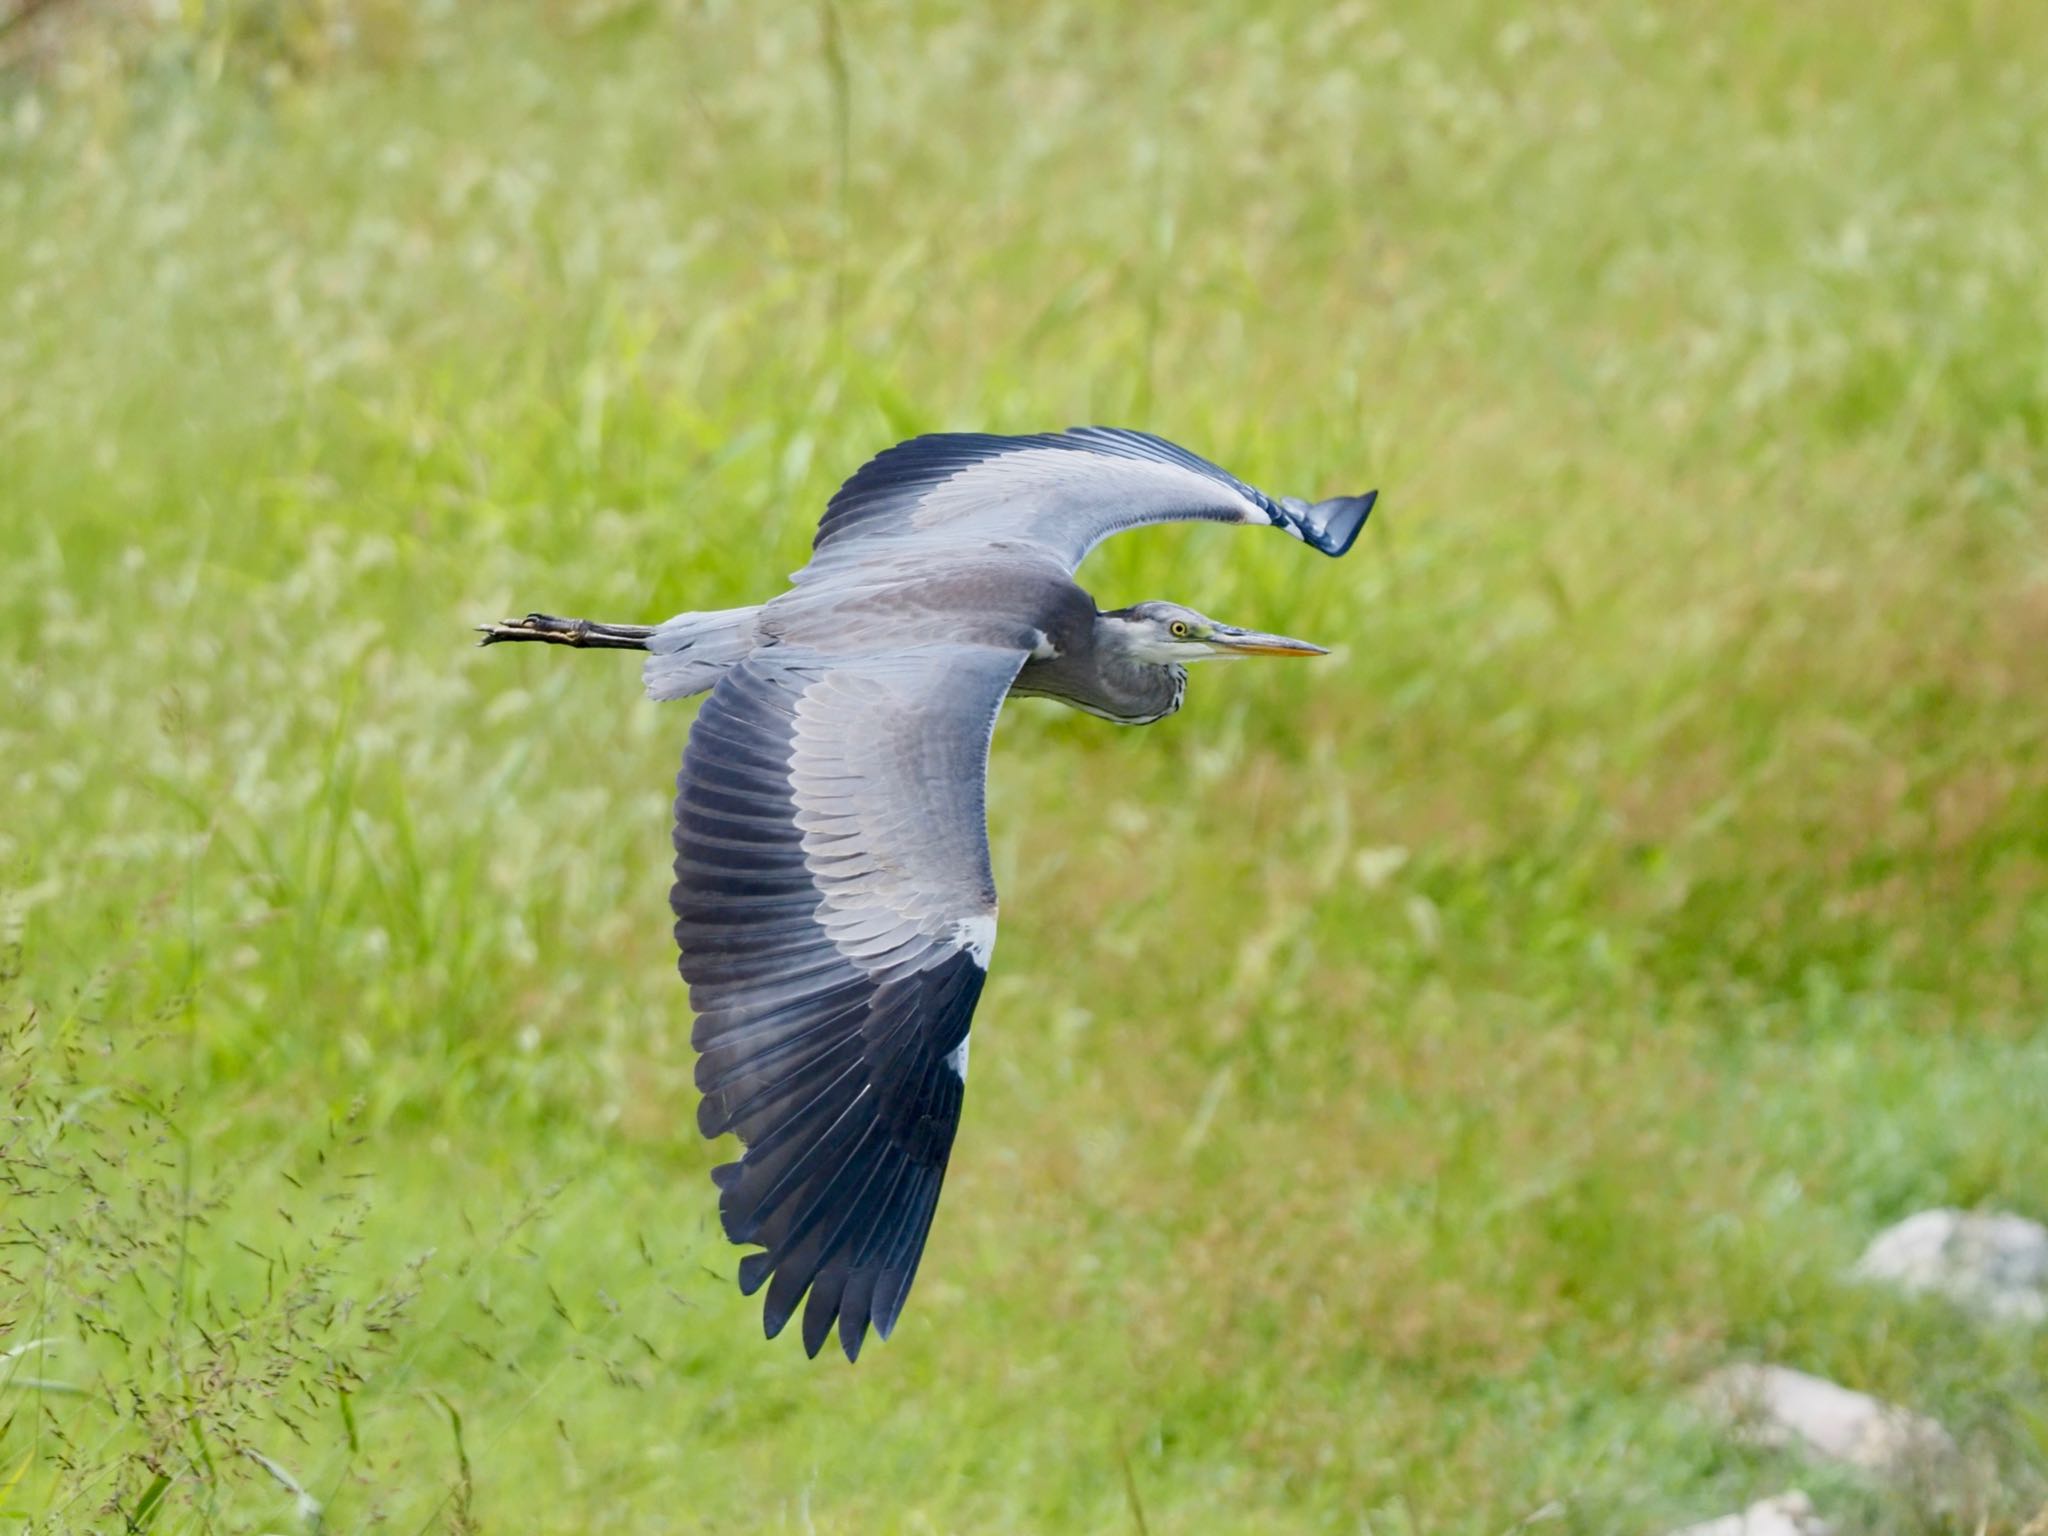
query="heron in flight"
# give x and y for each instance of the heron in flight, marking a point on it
(834, 905)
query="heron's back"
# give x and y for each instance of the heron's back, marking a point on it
(1011, 598)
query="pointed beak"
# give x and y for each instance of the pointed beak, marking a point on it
(1228, 641)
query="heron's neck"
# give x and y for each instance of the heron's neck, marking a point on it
(1134, 689)
(1091, 672)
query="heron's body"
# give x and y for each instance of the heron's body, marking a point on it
(835, 911)
(1027, 604)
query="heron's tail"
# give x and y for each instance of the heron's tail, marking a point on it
(692, 651)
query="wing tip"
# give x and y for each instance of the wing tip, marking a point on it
(754, 1268)
(846, 1312)
(1330, 526)
(870, 1300)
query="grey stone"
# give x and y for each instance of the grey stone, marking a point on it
(1992, 1263)
(1789, 1514)
(1775, 1406)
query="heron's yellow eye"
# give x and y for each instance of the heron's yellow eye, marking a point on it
(1180, 629)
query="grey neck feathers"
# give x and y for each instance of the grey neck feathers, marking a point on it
(1102, 679)
(1139, 692)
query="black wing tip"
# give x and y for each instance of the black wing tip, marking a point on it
(848, 1316)
(1330, 526)
(754, 1268)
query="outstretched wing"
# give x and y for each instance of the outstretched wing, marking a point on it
(1063, 491)
(835, 911)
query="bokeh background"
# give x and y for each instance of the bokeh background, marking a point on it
(1402, 1077)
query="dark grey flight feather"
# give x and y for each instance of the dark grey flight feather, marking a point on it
(834, 911)
(834, 906)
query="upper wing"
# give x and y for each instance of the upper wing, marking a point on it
(1064, 491)
(835, 911)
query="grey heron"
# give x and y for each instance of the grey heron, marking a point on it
(834, 905)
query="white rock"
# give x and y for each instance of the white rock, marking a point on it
(1771, 1405)
(1789, 1514)
(1995, 1264)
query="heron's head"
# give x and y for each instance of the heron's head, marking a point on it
(1162, 633)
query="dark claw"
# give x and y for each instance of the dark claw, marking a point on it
(506, 629)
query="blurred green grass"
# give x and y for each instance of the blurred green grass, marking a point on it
(1402, 1077)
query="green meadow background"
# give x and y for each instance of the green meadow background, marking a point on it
(1402, 1076)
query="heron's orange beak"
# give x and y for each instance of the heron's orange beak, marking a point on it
(1227, 641)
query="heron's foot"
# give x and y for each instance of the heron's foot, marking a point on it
(535, 626)
(584, 633)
